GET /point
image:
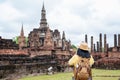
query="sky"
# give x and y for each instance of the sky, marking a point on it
(75, 17)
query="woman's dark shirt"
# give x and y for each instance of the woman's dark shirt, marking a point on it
(83, 53)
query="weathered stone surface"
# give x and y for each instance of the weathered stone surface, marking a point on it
(7, 44)
(100, 42)
(22, 40)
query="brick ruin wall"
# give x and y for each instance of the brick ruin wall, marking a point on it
(19, 63)
(14, 65)
(106, 57)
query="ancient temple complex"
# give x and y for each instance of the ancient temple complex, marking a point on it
(43, 49)
(46, 47)
(105, 56)
(43, 38)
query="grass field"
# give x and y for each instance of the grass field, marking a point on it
(98, 74)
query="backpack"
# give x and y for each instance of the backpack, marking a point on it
(82, 69)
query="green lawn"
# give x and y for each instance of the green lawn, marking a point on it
(98, 74)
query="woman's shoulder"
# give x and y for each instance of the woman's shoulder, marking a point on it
(75, 56)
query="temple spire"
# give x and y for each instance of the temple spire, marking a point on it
(43, 8)
(43, 22)
(21, 39)
(22, 31)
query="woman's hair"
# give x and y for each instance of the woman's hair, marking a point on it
(83, 53)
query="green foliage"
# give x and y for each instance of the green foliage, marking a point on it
(15, 39)
(74, 47)
(96, 73)
(26, 40)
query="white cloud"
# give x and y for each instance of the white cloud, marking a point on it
(75, 17)
(9, 13)
(101, 16)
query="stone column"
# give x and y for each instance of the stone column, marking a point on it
(107, 46)
(118, 40)
(105, 43)
(86, 38)
(115, 40)
(100, 42)
(91, 43)
(98, 46)
(94, 48)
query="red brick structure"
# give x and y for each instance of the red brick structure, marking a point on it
(7, 44)
(48, 42)
(45, 48)
(44, 39)
(21, 40)
(106, 57)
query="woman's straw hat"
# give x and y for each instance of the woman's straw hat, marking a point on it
(84, 46)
